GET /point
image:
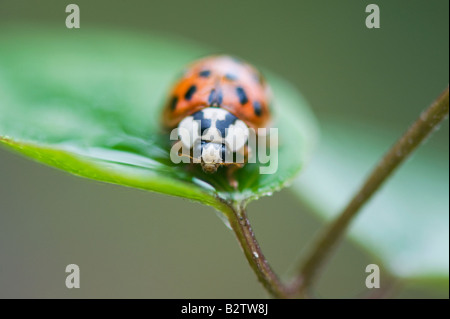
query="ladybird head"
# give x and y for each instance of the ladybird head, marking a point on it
(212, 156)
(213, 134)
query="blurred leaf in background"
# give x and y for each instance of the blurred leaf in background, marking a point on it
(407, 222)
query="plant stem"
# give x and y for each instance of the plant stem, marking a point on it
(417, 133)
(240, 224)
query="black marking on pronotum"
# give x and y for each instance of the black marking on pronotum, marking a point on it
(231, 77)
(241, 95)
(204, 123)
(204, 73)
(215, 97)
(225, 123)
(257, 108)
(223, 153)
(190, 92)
(173, 103)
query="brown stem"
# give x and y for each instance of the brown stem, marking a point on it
(417, 133)
(240, 224)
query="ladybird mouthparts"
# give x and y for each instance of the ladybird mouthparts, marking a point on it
(212, 153)
(209, 168)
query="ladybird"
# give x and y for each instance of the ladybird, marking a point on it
(220, 98)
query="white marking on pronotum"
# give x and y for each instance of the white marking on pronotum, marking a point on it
(211, 149)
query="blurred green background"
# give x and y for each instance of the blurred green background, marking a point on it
(130, 243)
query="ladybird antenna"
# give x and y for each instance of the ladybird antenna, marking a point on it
(191, 157)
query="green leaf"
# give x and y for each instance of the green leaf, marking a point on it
(406, 224)
(89, 101)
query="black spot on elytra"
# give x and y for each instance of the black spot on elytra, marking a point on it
(204, 123)
(225, 123)
(190, 92)
(241, 95)
(215, 97)
(204, 73)
(257, 108)
(231, 77)
(173, 103)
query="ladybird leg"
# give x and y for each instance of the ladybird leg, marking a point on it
(246, 151)
(231, 170)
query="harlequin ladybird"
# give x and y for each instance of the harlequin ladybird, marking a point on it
(220, 98)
